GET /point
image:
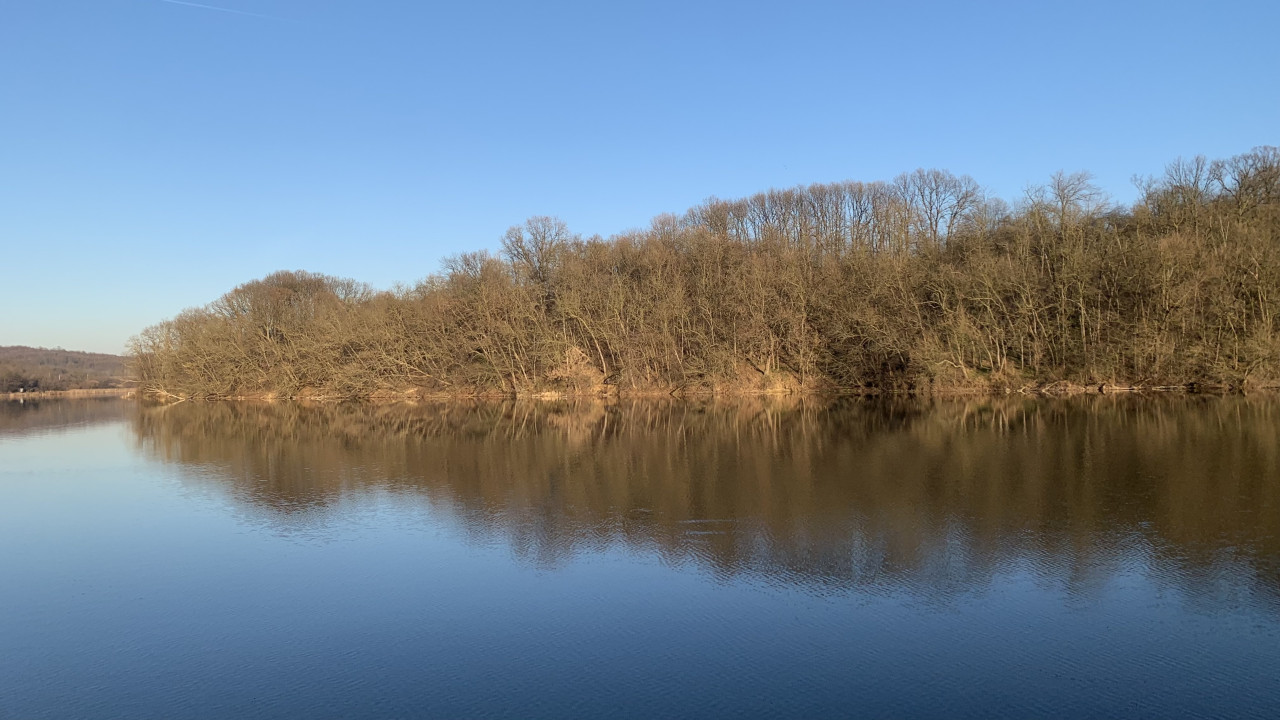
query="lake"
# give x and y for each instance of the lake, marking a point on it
(1095, 557)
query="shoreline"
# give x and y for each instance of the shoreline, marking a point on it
(75, 393)
(1050, 390)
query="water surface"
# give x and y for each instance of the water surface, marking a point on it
(1096, 557)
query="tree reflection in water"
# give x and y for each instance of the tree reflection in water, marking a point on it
(821, 494)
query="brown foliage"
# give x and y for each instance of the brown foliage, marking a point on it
(922, 282)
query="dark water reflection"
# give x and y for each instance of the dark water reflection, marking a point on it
(852, 494)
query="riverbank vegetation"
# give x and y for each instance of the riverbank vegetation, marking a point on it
(921, 283)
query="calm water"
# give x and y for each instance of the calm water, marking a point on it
(1100, 557)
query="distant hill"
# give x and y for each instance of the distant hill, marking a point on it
(31, 368)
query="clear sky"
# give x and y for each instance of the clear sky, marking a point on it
(156, 153)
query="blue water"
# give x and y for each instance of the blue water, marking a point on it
(804, 560)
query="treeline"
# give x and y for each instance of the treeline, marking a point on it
(29, 369)
(921, 282)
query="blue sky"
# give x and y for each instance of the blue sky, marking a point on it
(155, 154)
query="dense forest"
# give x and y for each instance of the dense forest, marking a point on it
(924, 282)
(40, 369)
